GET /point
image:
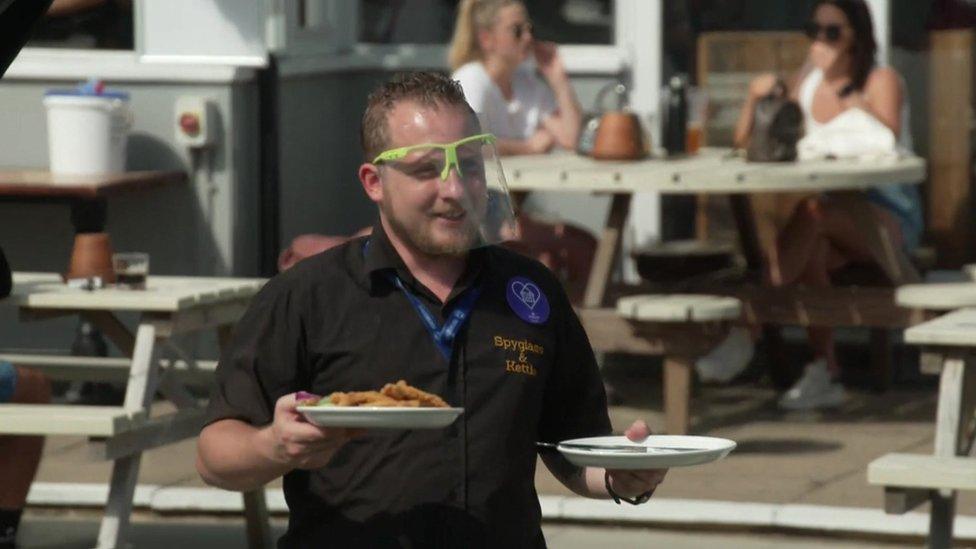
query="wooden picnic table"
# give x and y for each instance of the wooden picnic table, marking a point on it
(169, 307)
(716, 171)
(949, 349)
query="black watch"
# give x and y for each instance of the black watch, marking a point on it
(642, 498)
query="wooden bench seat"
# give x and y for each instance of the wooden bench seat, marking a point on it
(945, 296)
(923, 471)
(100, 368)
(56, 419)
(679, 327)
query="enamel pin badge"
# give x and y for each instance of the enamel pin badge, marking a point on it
(527, 300)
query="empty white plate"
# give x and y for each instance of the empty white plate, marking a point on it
(654, 452)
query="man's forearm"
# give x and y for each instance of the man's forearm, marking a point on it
(236, 456)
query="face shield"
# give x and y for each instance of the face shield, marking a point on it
(469, 178)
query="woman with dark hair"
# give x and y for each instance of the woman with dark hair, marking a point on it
(840, 74)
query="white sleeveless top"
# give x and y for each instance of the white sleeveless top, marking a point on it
(902, 200)
(808, 87)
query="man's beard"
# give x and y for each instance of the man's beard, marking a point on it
(421, 237)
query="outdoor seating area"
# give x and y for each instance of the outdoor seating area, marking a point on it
(487, 273)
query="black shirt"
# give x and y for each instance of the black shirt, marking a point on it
(337, 322)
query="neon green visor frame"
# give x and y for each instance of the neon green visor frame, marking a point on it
(450, 152)
(486, 204)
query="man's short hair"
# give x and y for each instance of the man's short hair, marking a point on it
(430, 89)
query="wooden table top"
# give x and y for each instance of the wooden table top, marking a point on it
(162, 293)
(712, 170)
(41, 184)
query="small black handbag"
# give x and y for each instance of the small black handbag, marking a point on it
(777, 125)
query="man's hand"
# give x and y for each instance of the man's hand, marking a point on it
(300, 444)
(632, 483)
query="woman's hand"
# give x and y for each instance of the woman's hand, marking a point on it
(549, 63)
(541, 141)
(762, 85)
(823, 56)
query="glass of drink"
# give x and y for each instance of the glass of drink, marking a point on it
(697, 112)
(131, 270)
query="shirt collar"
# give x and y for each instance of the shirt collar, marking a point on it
(380, 256)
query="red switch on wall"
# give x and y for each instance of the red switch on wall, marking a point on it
(195, 119)
(190, 124)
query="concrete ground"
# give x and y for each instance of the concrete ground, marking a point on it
(782, 458)
(77, 532)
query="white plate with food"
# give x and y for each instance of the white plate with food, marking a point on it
(395, 406)
(371, 417)
(654, 452)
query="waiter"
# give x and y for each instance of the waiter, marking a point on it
(427, 298)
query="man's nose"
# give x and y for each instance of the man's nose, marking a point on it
(453, 186)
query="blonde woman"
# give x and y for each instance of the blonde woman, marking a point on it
(492, 42)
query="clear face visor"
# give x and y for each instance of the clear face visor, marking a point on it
(470, 181)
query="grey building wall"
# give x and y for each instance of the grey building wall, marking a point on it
(207, 226)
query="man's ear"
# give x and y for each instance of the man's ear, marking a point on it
(369, 176)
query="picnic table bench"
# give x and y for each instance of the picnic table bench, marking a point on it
(680, 328)
(168, 308)
(909, 480)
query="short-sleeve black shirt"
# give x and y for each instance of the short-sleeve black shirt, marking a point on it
(336, 322)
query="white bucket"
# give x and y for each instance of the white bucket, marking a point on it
(86, 133)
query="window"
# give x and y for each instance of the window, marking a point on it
(86, 24)
(432, 21)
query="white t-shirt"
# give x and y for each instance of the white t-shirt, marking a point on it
(519, 118)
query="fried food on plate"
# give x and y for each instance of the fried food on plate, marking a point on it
(403, 392)
(399, 395)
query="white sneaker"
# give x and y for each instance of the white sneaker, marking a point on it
(814, 390)
(728, 359)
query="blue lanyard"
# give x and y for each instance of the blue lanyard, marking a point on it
(443, 336)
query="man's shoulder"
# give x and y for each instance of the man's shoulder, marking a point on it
(508, 263)
(332, 270)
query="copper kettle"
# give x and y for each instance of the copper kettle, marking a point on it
(618, 134)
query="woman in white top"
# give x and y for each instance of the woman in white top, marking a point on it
(492, 42)
(820, 238)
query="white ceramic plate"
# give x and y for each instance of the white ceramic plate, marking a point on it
(655, 452)
(370, 417)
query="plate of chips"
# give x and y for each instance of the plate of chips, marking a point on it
(395, 406)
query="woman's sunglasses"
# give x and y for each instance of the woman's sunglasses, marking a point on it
(519, 29)
(827, 33)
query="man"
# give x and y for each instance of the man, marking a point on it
(19, 455)
(360, 315)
